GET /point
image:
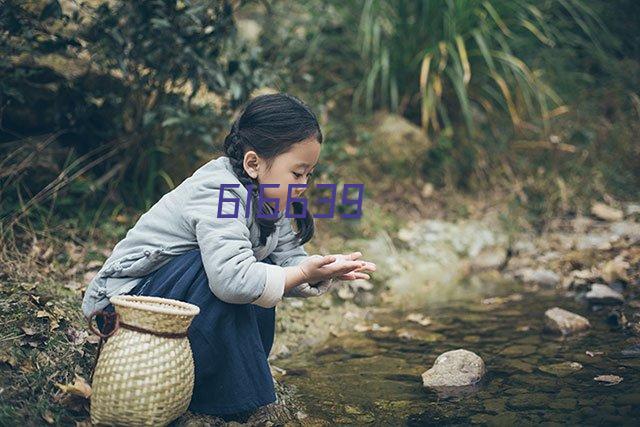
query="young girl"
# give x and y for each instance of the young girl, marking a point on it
(204, 244)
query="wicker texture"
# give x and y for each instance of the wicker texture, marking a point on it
(142, 378)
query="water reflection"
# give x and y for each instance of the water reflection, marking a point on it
(532, 377)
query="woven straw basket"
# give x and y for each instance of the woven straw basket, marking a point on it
(143, 378)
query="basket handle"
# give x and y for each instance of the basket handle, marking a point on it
(109, 318)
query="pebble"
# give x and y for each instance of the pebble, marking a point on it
(561, 369)
(606, 212)
(538, 276)
(564, 322)
(603, 294)
(454, 368)
(608, 379)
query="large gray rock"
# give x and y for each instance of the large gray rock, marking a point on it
(603, 294)
(453, 369)
(564, 322)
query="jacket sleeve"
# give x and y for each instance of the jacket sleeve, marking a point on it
(234, 274)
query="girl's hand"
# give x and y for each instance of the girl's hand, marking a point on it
(357, 273)
(319, 268)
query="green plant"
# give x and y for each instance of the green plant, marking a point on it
(461, 60)
(112, 104)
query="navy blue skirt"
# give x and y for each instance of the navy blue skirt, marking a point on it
(230, 342)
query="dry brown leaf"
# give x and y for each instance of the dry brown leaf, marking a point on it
(94, 265)
(27, 367)
(48, 417)
(28, 330)
(9, 359)
(80, 387)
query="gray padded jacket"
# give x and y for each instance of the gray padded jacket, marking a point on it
(186, 218)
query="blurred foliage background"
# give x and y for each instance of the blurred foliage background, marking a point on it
(106, 105)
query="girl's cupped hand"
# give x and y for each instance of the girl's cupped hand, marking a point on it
(358, 273)
(339, 266)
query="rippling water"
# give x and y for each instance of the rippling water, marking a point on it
(375, 376)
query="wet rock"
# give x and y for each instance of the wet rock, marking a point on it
(617, 318)
(418, 318)
(608, 379)
(520, 365)
(594, 241)
(628, 229)
(361, 285)
(561, 369)
(489, 258)
(345, 293)
(280, 351)
(524, 247)
(615, 269)
(564, 322)
(453, 369)
(418, 335)
(631, 351)
(580, 280)
(364, 299)
(538, 276)
(603, 294)
(519, 350)
(529, 400)
(632, 209)
(606, 212)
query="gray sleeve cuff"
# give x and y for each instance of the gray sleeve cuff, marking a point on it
(273, 288)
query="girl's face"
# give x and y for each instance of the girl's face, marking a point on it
(292, 167)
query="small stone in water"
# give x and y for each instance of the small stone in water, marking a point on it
(539, 276)
(594, 353)
(608, 379)
(633, 351)
(564, 322)
(561, 369)
(603, 294)
(454, 368)
(418, 318)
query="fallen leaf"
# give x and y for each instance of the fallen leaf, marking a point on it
(9, 359)
(93, 265)
(28, 330)
(608, 379)
(27, 367)
(48, 417)
(78, 388)
(28, 286)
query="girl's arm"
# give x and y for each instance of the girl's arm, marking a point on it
(234, 274)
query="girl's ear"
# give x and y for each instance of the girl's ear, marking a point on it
(251, 164)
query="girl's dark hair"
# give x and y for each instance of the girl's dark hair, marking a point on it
(270, 125)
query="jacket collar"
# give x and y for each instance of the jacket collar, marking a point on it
(226, 164)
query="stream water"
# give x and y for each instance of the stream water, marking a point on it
(374, 377)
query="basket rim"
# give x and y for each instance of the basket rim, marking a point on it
(141, 302)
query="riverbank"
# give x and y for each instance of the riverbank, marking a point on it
(48, 351)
